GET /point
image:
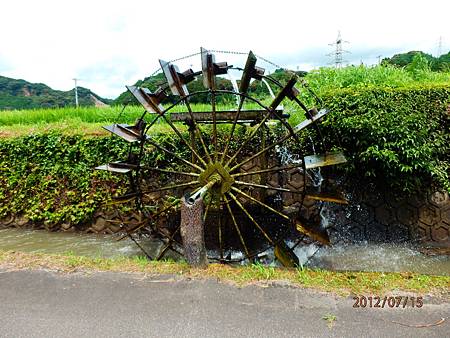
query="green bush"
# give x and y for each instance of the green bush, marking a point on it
(398, 136)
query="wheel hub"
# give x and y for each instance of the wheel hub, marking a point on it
(216, 171)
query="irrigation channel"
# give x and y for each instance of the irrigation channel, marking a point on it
(351, 257)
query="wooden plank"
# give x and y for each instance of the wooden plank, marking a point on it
(323, 160)
(123, 131)
(117, 167)
(307, 122)
(144, 97)
(327, 197)
(173, 80)
(225, 115)
(313, 231)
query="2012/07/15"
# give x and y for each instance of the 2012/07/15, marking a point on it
(387, 301)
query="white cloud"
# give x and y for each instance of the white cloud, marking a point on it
(112, 43)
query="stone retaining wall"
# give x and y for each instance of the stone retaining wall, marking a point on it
(371, 215)
(378, 216)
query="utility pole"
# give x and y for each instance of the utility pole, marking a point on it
(379, 59)
(337, 55)
(439, 49)
(76, 91)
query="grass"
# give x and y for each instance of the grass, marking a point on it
(72, 126)
(83, 114)
(87, 121)
(340, 282)
(92, 114)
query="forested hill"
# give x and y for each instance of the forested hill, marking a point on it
(257, 88)
(20, 94)
(437, 64)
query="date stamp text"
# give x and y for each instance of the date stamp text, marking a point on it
(387, 302)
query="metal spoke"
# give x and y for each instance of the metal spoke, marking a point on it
(171, 171)
(262, 151)
(168, 245)
(267, 187)
(214, 120)
(233, 127)
(170, 123)
(247, 254)
(205, 215)
(174, 155)
(252, 134)
(260, 203)
(151, 217)
(197, 129)
(173, 186)
(220, 235)
(270, 111)
(248, 173)
(251, 218)
(292, 133)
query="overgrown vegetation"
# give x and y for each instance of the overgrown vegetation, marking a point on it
(342, 282)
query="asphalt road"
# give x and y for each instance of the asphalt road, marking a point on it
(50, 304)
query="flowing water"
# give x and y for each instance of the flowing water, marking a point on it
(355, 257)
(385, 257)
(90, 245)
(268, 88)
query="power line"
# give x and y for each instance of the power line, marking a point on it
(337, 55)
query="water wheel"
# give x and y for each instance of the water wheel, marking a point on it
(255, 196)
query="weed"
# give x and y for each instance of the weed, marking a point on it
(330, 318)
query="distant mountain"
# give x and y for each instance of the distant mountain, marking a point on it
(438, 64)
(20, 94)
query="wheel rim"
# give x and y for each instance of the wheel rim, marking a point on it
(231, 194)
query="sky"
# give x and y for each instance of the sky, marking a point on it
(110, 44)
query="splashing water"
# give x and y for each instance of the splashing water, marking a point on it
(268, 88)
(235, 87)
(286, 157)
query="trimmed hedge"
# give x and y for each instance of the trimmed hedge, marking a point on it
(399, 137)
